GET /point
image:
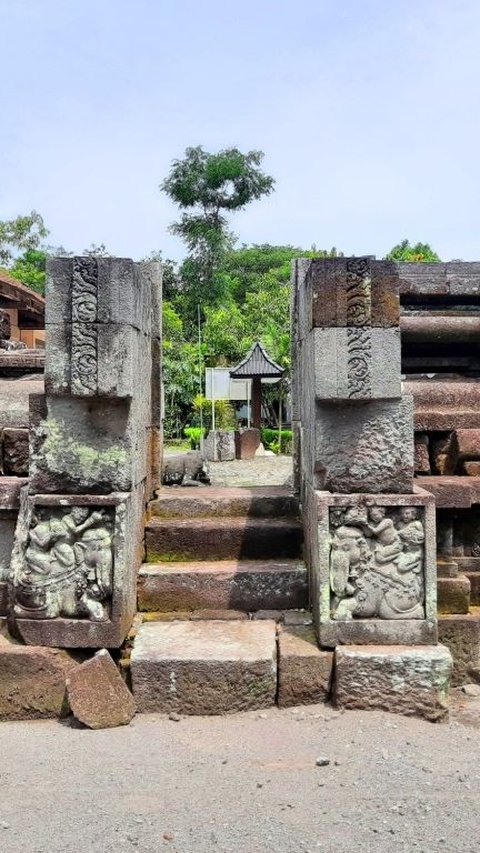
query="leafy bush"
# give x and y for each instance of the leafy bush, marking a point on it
(224, 412)
(194, 434)
(279, 443)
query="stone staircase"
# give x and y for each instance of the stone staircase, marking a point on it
(222, 592)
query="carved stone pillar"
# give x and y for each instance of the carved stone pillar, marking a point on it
(94, 455)
(370, 536)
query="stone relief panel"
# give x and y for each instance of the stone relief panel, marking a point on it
(67, 569)
(359, 292)
(84, 343)
(377, 563)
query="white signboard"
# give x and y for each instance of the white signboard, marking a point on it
(219, 386)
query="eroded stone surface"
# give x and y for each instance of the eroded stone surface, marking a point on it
(15, 452)
(33, 681)
(98, 696)
(461, 634)
(365, 448)
(204, 667)
(240, 584)
(453, 594)
(246, 443)
(219, 445)
(410, 680)
(304, 670)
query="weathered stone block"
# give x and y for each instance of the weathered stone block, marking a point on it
(472, 469)
(15, 452)
(373, 568)
(222, 539)
(8, 519)
(453, 594)
(219, 445)
(365, 447)
(461, 634)
(410, 680)
(204, 667)
(97, 694)
(73, 570)
(241, 584)
(467, 444)
(32, 681)
(246, 443)
(304, 670)
(353, 292)
(421, 459)
(357, 363)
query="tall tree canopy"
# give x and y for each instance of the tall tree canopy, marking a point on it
(207, 187)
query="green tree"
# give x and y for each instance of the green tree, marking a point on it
(181, 372)
(29, 268)
(403, 251)
(207, 187)
(21, 234)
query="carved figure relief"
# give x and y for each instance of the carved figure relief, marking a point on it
(376, 563)
(68, 565)
(84, 344)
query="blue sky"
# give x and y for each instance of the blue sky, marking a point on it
(368, 114)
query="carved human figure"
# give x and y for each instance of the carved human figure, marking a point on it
(376, 566)
(56, 578)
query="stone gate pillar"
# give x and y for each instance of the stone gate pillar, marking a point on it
(370, 534)
(95, 448)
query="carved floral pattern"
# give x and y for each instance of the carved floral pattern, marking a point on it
(84, 344)
(377, 563)
(68, 564)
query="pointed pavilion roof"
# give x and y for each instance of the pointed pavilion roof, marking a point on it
(256, 363)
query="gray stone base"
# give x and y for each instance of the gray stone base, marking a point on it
(204, 667)
(410, 680)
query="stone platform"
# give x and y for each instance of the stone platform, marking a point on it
(410, 680)
(204, 667)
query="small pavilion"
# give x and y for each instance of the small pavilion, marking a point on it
(257, 365)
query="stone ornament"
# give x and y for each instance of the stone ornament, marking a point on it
(84, 344)
(377, 563)
(68, 564)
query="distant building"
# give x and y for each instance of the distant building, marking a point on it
(26, 309)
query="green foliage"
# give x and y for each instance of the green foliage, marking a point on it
(403, 251)
(224, 413)
(194, 434)
(21, 234)
(280, 441)
(29, 268)
(206, 187)
(181, 372)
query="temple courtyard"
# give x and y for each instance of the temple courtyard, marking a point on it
(244, 782)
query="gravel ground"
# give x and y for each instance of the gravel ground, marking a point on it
(261, 471)
(246, 783)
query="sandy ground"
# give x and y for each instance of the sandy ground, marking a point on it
(241, 783)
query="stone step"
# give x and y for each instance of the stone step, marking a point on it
(178, 540)
(212, 667)
(453, 594)
(461, 634)
(474, 578)
(246, 585)
(261, 502)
